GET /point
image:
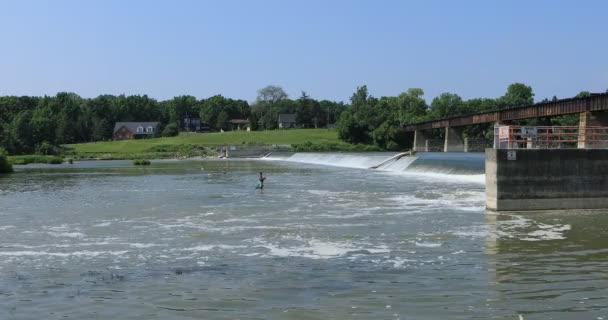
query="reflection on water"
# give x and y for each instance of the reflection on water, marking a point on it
(550, 264)
(196, 240)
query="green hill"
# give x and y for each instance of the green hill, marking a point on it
(193, 144)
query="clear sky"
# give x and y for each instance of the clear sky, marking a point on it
(326, 48)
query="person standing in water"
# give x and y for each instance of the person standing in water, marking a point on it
(261, 180)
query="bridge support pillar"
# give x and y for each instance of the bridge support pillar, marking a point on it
(591, 119)
(454, 141)
(420, 141)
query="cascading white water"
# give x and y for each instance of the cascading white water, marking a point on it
(361, 161)
(462, 167)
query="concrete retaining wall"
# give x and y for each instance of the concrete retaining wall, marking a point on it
(546, 179)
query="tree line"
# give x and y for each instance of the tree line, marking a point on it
(41, 124)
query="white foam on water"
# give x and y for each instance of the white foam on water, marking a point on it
(143, 245)
(6, 227)
(67, 234)
(399, 262)
(62, 254)
(548, 232)
(426, 176)
(209, 248)
(103, 224)
(527, 229)
(427, 244)
(316, 249)
(472, 232)
(465, 201)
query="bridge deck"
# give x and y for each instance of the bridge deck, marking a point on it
(595, 102)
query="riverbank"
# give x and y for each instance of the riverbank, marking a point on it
(209, 145)
(188, 145)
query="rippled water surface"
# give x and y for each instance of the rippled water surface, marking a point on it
(184, 240)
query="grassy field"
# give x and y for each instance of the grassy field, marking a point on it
(184, 144)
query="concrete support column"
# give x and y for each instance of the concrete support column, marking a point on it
(420, 141)
(495, 134)
(591, 119)
(454, 141)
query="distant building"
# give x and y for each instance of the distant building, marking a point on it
(287, 120)
(239, 124)
(134, 130)
(192, 122)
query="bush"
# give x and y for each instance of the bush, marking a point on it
(180, 150)
(47, 149)
(21, 160)
(141, 162)
(5, 166)
(171, 130)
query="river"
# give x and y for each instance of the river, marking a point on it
(327, 238)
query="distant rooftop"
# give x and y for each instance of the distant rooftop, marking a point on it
(132, 126)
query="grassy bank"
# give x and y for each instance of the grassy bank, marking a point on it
(189, 145)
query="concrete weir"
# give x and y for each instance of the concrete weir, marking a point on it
(533, 179)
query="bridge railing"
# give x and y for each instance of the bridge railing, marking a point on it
(550, 137)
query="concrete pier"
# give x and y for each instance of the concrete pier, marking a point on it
(454, 141)
(529, 179)
(420, 144)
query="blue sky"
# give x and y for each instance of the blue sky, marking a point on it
(326, 48)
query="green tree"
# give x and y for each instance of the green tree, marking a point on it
(171, 130)
(5, 166)
(518, 94)
(43, 122)
(446, 105)
(583, 94)
(222, 120)
(22, 137)
(271, 94)
(102, 130)
(70, 118)
(350, 130)
(354, 124)
(308, 112)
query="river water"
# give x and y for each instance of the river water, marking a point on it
(326, 239)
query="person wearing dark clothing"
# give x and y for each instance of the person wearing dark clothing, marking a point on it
(261, 180)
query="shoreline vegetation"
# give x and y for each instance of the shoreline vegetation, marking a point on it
(5, 165)
(208, 145)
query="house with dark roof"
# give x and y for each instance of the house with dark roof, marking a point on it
(134, 130)
(287, 120)
(239, 124)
